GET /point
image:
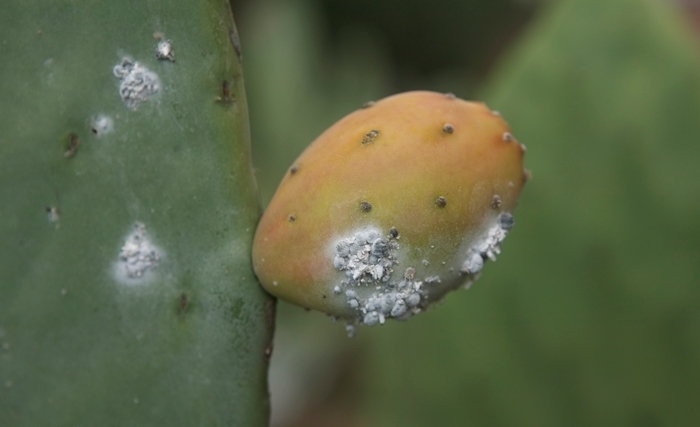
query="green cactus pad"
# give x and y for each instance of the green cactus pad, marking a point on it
(127, 211)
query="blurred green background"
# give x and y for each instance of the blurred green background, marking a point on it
(591, 317)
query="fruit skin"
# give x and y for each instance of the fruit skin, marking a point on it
(438, 169)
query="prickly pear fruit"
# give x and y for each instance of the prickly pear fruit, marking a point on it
(390, 208)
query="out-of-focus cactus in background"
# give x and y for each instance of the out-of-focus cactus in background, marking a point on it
(590, 317)
(127, 211)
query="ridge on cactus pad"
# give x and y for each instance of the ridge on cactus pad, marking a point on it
(390, 208)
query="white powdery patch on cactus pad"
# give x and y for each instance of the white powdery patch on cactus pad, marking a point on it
(393, 300)
(486, 247)
(373, 292)
(137, 258)
(164, 50)
(367, 258)
(102, 125)
(138, 83)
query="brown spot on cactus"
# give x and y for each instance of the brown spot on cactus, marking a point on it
(448, 128)
(184, 303)
(225, 92)
(440, 202)
(294, 169)
(73, 142)
(370, 136)
(357, 261)
(507, 136)
(393, 232)
(292, 218)
(496, 201)
(365, 206)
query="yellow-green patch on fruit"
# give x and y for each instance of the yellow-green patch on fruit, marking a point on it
(390, 208)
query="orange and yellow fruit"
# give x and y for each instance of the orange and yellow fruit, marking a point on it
(391, 207)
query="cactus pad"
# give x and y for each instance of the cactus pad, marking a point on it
(391, 207)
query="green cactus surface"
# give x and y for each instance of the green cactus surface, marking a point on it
(127, 212)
